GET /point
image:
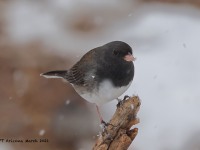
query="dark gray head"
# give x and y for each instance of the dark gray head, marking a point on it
(120, 49)
(116, 63)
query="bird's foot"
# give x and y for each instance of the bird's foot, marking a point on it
(104, 124)
(126, 97)
(107, 124)
(120, 102)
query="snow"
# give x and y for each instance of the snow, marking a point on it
(129, 15)
(167, 79)
(165, 40)
(99, 135)
(6, 146)
(21, 82)
(132, 107)
(102, 126)
(166, 75)
(67, 102)
(42, 132)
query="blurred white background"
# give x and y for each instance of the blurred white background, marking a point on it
(165, 41)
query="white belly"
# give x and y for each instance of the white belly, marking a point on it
(105, 93)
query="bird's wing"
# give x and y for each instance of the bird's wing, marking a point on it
(79, 73)
(75, 75)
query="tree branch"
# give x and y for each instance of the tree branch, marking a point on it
(118, 134)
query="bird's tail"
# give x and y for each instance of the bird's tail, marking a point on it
(55, 74)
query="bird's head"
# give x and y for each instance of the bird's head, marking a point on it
(122, 50)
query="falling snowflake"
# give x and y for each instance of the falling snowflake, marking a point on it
(129, 15)
(42, 132)
(67, 102)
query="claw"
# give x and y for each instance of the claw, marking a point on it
(107, 124)
(126, 97)
(120, 102)
(104, 124)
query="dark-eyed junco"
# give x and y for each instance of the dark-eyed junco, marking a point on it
(102, 74)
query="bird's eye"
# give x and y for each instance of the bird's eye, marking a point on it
(115, 52)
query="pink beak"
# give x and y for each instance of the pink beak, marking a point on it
(129, 57)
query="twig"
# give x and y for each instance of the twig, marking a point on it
(117, 134)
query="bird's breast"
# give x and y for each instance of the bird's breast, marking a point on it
(105, 92)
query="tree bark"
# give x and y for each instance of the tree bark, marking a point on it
(118, 134)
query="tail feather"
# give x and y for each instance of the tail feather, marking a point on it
(55, 74)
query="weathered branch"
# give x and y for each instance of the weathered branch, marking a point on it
(118, 134)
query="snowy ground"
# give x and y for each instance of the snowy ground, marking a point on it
(165, 40)
(167, 76)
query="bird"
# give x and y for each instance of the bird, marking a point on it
(102, 74)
